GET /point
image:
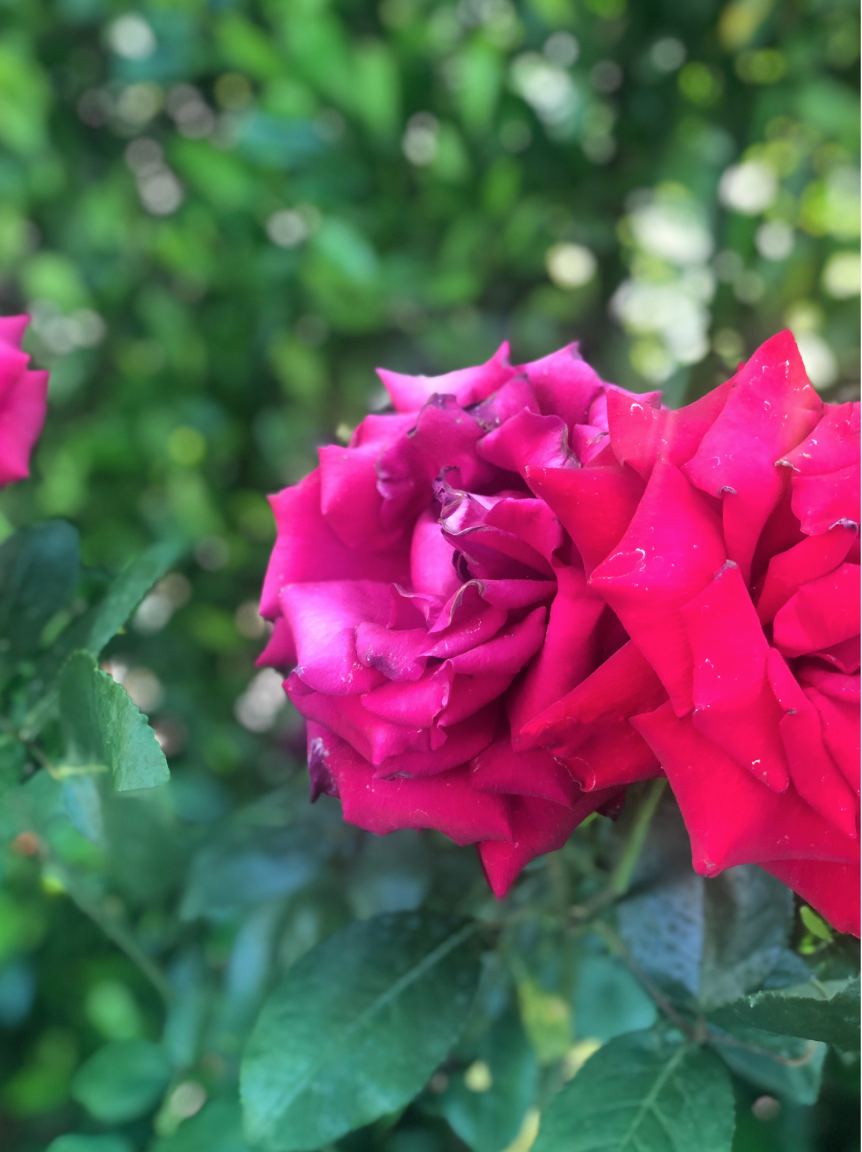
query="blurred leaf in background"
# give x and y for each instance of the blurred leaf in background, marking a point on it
(222, 215)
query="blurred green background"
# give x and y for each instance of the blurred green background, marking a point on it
(221, 216)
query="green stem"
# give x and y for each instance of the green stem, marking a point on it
(622, 874)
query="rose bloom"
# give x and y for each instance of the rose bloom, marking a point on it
(23, 402)
(732, 560)
(432, 605)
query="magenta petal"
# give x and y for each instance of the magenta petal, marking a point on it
(823, 612)
(463, 741)
(733, 702)
(813, 770)
(623, 685)
(538, 826)
(349, 500)
(830, 889)
(770, 409)
(499, 769)
(444, 802)
(528, 439)
(640, 432)
(823, 501)
(508, 651)
(512, 594)
(834, 684)
(595, 505)
(323, 618)
(613, 755)
(395, 652)
(470, 693)
(531, 521)
(840, 721)
(431, 566)
(567, 656)
(12, 329)
(670, 552)
(788, 571)
(23, 404)
(308, 549)
(731, 818)
(467, 385)
(833, 444)
(414, 703)
(280, 651)
(564, 384)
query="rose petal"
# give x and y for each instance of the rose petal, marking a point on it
(834, 684)
(830, 889)
(564, 384)
(595, 505)
(612, 755)
(731, 818)
(431, 567)
(670, 552)
(734, 704)
(463, 741)
(840, 721)
(280, 651)
(528, 439)
(813, 771)
(821, 613)
(567, 656)
(640, 432)
(508, 651)
(307, 548)
(833, 444)
(323, 618)
(821, 502)
(788, 571)
(499, 769)
(770, 409)
(537, 827)
(467, 385)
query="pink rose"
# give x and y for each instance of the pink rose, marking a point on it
(23, 402)
(733, 565)
(432, 605)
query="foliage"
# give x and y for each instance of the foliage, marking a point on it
(221, 216)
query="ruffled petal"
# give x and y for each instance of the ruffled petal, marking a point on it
(770, 409)
(467, 385)
(823, 501)
(788, 571)
(564, 384)
(822, 613)
(731, 818)
(640, 432)
(833, 444)
(595, 505)
(840, 720)
(733, 702)
(308, 549)
(536, 773)
(670, 552)
(528, 439)
(23, 405)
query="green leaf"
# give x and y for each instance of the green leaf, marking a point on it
(216, 1128)
(40, 567)
(122, 1081)
(92, 630)
(782, 1065)
(103, 728)
(642, 1094)
(357, 1027)
(89, 1144)
(486, 1102)
(714, 939)
(826, 1011)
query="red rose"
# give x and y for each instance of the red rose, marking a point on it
(732, 561)
(23, 401)
(432, 605)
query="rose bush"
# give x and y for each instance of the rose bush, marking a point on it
(733, 564)
(23, 401)
(433, 605)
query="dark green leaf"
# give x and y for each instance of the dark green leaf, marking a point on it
(122, 1081)
(641, 1094)
(39, 571)
(216, 1128)
(486, 1109)
(715, 939)
(608, 1000)
(817, 1011)
(103, 729)
(89, 1144)
(356, 1028)
(781, 1065)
